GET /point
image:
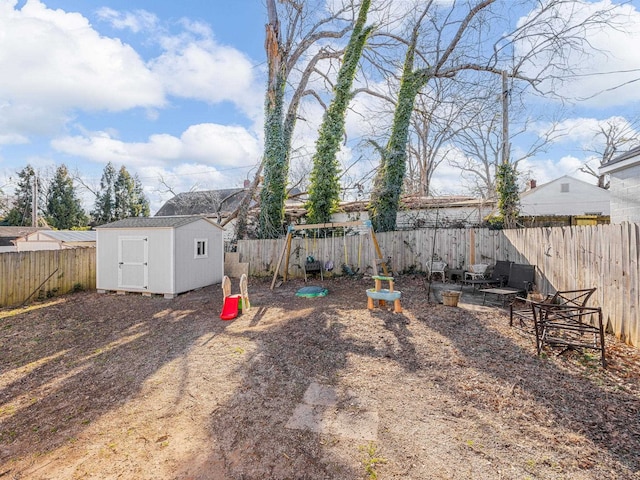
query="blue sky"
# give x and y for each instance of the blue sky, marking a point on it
(174, 91)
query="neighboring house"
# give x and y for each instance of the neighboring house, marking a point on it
(565, 196)
(9, 234)
(160, 255)
(420, 212)
(55, 240)
(624, 185)
(214, 204)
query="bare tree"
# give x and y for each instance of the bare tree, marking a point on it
(612, 137)
(435, 124)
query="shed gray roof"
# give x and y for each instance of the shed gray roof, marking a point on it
(154, 222)
(71, 235)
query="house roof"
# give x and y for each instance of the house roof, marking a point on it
(11, 233)
(71, 235)
(205, 202)
(407, 202)
(628, 159)
(15, 232)
(156, 222)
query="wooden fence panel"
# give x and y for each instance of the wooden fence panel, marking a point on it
(601, 256)
(25, 276)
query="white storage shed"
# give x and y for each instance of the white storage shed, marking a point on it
(159, 255)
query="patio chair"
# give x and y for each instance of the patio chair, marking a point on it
(476, 272)
(435, 267)
(570, 327)
(523, 313)
(498, 276)
(521, 280)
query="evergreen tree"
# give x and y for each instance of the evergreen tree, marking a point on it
(121, 196)
(140, 206)
(104, 209)
(20, 213)
(129, 197)
(324, 191)
(63, 208)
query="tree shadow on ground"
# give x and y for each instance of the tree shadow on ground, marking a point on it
(84, 357)
(605, 414)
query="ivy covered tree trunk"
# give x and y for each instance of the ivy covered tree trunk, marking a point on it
(298, 46)
(324, 190)
(508, 195)
(387, 187)
(276, 165)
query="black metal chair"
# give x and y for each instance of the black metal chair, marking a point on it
(521, 280)
(522, 314)
(570, 327)
(499, 276)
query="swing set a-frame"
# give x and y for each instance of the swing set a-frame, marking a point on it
(286, 250)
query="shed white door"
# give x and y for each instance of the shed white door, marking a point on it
(133, 265)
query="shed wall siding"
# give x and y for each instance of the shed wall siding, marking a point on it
(194, 272)
(625, 195)
(160, 268)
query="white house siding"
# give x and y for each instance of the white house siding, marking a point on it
(625, 195)
(191, 272)
(160, 261)
(411, 219)
(580, 199)
(31, 246)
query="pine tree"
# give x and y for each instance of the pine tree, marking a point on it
(121, 196)
(140, 205)
(20, 213)
(104, 209)
(129, 197)
(63, 208)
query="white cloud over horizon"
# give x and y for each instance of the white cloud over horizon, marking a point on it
(54, 62)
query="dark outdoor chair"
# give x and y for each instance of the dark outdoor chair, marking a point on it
(499, 276)
(521, 280)
(522, 313)
(569, 326)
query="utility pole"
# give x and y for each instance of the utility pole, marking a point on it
(505, 119)
(34, 202)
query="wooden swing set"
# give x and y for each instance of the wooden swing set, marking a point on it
(286, 250)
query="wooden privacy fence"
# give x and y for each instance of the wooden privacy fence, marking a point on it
(26, 276)
(602, 256)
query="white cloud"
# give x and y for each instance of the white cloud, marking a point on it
(195, 66)
(55, 65)
(209, 144)
(56, 60)
(137, 21)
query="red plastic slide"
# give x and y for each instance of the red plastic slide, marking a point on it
(230, 307)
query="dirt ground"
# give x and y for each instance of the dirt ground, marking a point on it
(107, 386)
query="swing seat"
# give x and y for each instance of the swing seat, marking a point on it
(313, 266)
